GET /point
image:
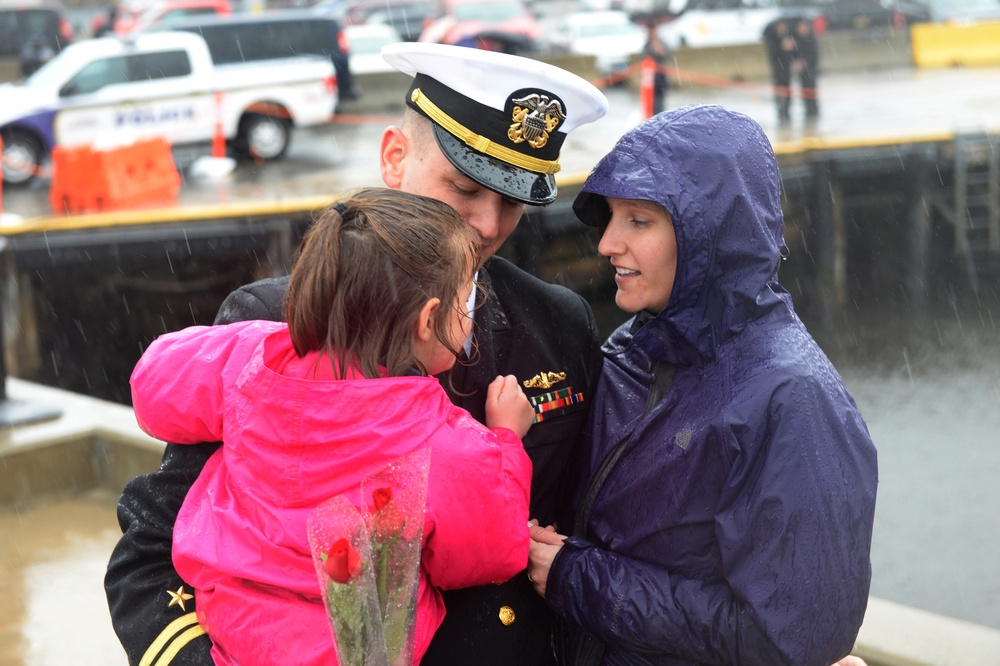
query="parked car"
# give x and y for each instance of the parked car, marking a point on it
(248, 37)
(858, 14)
(964, 10)
(600, 5)
(407, 17)
(609, 36)
(137, 16)
(31, 33)
(702, 23)
(366, 42)
(161, 84)
(464, 21)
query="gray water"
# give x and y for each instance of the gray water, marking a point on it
(930, 393)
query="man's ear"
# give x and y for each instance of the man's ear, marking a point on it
(391, 156)
(425, 321)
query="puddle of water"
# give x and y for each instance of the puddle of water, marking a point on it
(52, 563)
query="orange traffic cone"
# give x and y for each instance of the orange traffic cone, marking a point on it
(219, 137)
(647, 74)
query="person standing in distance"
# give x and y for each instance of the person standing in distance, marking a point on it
(482, 132)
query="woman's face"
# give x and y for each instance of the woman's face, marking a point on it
(639, 240)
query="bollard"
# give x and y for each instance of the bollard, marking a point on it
(219, 137)
(647, 74)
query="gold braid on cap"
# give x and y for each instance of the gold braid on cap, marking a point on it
(479, 142)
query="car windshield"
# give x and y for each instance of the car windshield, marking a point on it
(488, 11)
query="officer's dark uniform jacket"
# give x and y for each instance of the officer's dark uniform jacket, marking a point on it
(525, 327)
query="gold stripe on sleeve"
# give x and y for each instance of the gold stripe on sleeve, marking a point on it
(175, 647)
(167, 635)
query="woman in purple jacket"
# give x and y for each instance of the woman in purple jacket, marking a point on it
(724, 512)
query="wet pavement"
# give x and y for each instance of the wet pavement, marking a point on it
(857, 108)
(52, 562)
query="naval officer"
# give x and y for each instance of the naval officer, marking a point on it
(482, 131)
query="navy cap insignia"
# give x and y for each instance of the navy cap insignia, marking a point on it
(534, 116)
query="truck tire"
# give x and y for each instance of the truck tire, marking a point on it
(264, 137)
(22, 156)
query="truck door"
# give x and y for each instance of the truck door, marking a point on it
(135, 96)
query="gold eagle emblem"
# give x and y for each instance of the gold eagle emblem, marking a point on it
(534, 117)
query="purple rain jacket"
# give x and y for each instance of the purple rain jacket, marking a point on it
(723, 517)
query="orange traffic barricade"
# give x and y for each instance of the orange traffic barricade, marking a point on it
(72, 167)
(86, 179)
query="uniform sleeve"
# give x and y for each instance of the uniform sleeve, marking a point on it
(479, 513)
(263, 300)
(140, 571)
(794, 531)
(177, 385)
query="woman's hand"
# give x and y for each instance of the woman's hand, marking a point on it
(545, 543)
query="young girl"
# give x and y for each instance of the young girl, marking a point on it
(306, 410)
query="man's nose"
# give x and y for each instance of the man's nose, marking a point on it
(484, 217)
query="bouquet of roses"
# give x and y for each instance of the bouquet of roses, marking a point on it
(368, 563)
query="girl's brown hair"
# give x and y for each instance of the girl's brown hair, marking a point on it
(364, 271)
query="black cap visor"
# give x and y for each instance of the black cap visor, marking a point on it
(528, 187)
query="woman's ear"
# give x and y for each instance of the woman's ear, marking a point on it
(424, 331)
(392, 155)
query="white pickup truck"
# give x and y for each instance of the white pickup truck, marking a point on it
(159, 84)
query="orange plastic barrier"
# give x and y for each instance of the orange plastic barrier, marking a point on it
(132, 176)
(71, 170)
(139, 174)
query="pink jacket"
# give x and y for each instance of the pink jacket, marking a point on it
(291, 443)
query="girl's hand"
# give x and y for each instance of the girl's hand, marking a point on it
(507, 406)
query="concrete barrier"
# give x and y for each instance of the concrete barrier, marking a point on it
(956, 44)
(897, 635)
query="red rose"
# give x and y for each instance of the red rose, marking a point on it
(388, 521)
(381, 497)
(342, 562)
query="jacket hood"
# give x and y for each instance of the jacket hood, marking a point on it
(715, 173)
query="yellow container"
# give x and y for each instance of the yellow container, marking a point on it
(954, 44)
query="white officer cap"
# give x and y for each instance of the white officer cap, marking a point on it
(500, 119)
